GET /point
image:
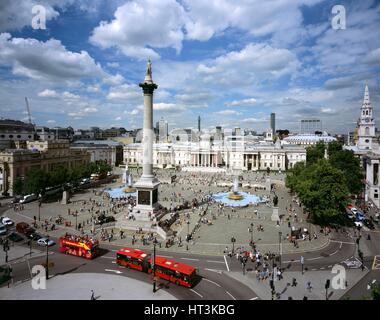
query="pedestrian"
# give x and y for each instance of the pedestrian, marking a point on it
(92, 295)
(309, 286)
(294, 282)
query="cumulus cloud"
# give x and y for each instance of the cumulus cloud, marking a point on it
(167, 107)
(48, 93)
(140, 25)
(126, 92)
(228, 112)
(46, 60)
(243, 102)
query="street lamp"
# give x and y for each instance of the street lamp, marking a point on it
(188, 230)
(76, 221)
(233, 240)
(250, 230)
(280, 246)
(39, 209)
(6, 249)
(47, 258)
(154, 264)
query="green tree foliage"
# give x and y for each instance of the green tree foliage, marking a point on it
(18, 186)
(36, 181)
(375, 291)
(324, 186)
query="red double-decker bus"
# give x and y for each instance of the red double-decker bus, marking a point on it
(86, 247)
(179, 273)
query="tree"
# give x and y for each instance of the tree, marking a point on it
(36, 181)
(375, 293)
(18, 186)
(315, 153)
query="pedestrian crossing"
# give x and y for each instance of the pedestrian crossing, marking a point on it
(376, 263)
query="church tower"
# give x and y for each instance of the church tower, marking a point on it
(366, 123)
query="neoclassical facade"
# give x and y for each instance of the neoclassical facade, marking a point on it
(233, 154)
(44, 155)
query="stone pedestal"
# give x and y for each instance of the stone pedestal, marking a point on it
(65, 197)
(275, 216)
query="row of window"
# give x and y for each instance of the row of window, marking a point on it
(10, 136)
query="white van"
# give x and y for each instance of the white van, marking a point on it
(29, 198)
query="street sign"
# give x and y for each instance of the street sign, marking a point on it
(302, 260)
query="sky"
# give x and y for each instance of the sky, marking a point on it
(233, 62)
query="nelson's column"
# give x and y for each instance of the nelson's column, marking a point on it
(147, 185)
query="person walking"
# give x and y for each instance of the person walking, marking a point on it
(92, 295)
(309, 286)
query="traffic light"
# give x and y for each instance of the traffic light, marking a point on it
(327, 285)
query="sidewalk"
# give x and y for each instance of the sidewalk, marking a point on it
(17, 253)
(285, 290)
(78, 286)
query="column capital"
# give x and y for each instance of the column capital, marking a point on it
(148, 88)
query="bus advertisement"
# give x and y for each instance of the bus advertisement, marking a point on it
(179, 273)
(85, 246)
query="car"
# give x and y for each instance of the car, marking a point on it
(45, 242)
(3, 229)
(369, 224)
(358, 224)
(359, 216)
(6, 221)
(16, 199)
(29, 198)
(354, 210)
(34, 236)
(22, 227)
(15, 237)
(350, 215)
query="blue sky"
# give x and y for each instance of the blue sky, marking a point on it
(231, 62)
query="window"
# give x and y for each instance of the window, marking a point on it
(367, 131)
(11, 136)
(18, 136)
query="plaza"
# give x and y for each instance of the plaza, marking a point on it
(211, 225)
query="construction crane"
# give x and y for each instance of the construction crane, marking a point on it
(28, 110)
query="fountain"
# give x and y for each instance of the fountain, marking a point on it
(237, 198)
(129, 188)
(235, 195)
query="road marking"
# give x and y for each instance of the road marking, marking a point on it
(330, 266)
(110, 270)
(323, 268)
(230, 295)
(196, 293)
(166, 256)
(212, 282)
(331, 254)
(376, 263)
(225, 260)
(254, 298)
(342, 242)
(189, 259)
(313, 269)
(340, 246)
(105, 257)
(214, 261)
(214, 270)
(316, 258)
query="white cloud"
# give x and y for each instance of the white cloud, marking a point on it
(51, 121)
(254, 63)
(228, 112)
(113, 64)
(128, 92)
(118, 118)
(46, 60)
(67, 96)
(48, 94)
(244, 102)
(140, 25)
(167, 107)
(114, 80)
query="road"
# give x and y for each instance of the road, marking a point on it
(215, 283)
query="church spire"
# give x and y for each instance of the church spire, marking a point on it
(366, 100)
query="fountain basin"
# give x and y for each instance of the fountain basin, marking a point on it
(244, 200)
(122, 192)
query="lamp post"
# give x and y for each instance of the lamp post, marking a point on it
(39, 210)
(47, 258)
(154, 264)
(251, 232)
(6, 249)
(302, 263)
(76, 221)
(188, 230)
(280, 247)
(233, 240)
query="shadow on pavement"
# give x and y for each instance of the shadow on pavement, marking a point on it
(69, 271)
